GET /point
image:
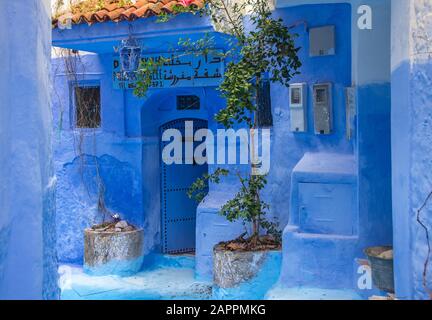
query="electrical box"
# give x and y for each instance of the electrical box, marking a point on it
(298, 106)
(322, 41)
(322, 107)
(351, 111)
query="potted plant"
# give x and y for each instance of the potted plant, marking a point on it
(240, 259)
(259, 51)
(381, 263)
(265, 53)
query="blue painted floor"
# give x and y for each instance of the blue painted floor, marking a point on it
(169, 278)
(302, 293)
(165, 278)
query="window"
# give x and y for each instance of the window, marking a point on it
(188, 102)
(264, 113)
(87, 107)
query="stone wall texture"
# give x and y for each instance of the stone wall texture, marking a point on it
(28, 266)
(412, 146)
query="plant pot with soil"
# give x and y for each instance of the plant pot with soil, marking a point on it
(113, 248)
(254, 61)
(381, 263)
(240, 260)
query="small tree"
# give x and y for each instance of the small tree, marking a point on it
(265, 49)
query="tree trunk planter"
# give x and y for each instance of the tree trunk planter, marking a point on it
(232, 268)
(113, 252)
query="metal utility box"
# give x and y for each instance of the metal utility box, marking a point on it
(322, 41)
(322, 107)
(298, 106)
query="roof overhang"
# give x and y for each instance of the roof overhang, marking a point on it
(156, 36)
(292, 3)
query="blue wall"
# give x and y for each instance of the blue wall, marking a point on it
(128, 143)
(309, 259)
(411, 146)
(28, 264)
(118, 159)
(287, 148)
(126, 149)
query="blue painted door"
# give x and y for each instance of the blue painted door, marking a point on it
(178, 211)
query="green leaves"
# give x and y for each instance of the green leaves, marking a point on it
(268, 49)
(246, 205)
(145, 72)
(198, 190)
(240, 94)
(177, 9)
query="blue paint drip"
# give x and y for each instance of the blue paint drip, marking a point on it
(121, 268)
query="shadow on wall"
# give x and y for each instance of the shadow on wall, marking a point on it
(77, 199)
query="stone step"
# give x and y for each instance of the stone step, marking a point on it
(304, 293)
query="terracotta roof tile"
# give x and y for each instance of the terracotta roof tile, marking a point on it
(113, 11)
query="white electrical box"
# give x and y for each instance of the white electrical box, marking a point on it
(298, 107)
(351, 111)
(322, 41)
(323, 108)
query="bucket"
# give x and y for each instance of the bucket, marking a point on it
(382, 268)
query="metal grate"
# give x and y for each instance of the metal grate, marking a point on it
(87, 107)
(189, 102)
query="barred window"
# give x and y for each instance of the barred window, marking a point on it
(87, 107)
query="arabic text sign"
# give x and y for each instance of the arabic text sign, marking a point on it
(178, 70)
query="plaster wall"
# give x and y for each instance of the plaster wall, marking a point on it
(28, 262)
(124, 151)
(370, 77)
(127, 144)
(128, 140)
(82, 154)
(411, 145)
(287, 148)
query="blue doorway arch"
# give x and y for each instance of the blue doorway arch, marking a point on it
(178, 212)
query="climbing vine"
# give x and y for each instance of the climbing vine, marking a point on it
(73, 67)
(429, 249)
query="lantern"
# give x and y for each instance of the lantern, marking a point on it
(130, 54)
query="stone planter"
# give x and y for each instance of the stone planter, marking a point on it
(113, 253)
(381, 262)
(232, 268)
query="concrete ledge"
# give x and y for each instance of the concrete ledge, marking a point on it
(318, 260)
